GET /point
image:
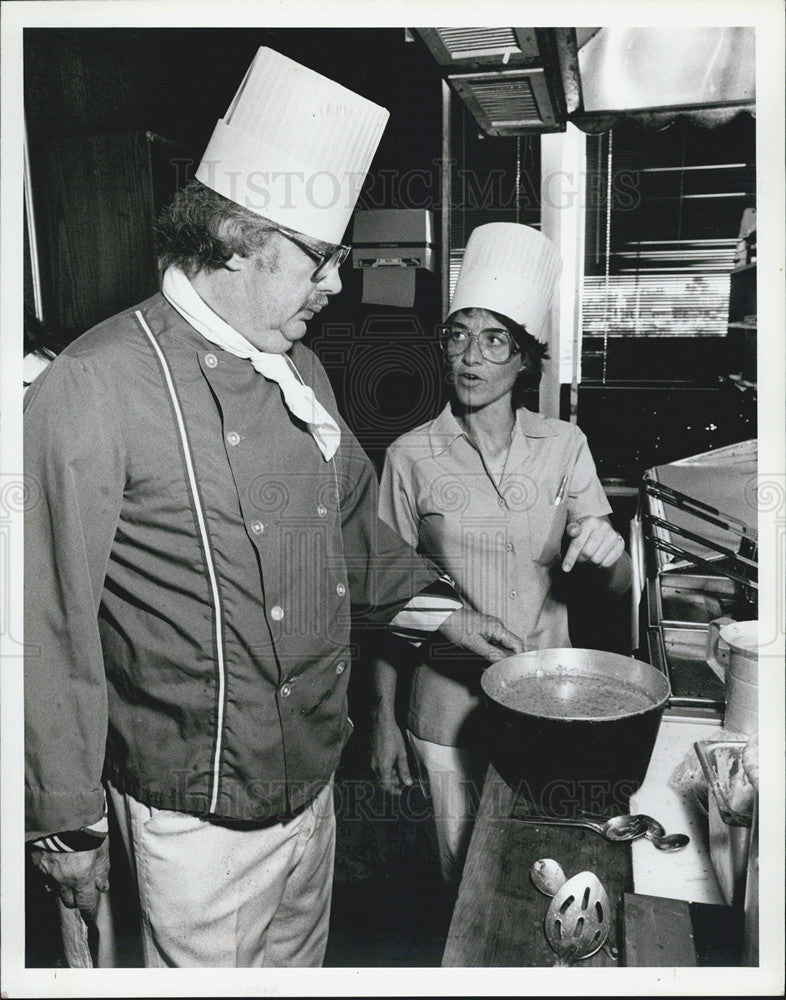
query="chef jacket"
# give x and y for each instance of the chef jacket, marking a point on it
(500, 542)
(191, 560)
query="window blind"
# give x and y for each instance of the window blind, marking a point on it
(663, 215)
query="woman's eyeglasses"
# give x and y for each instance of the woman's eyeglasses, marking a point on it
(326, 259)
(496, 346)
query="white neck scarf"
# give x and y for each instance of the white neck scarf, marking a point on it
(298, 397)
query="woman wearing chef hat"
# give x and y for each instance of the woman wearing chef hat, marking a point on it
(504, 500)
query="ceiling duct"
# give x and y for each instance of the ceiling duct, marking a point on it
(509, 78)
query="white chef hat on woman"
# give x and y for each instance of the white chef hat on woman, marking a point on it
(293, 147)
(511, 269)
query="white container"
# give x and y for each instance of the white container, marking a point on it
(733, 654)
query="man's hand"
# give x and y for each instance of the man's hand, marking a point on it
(389, 753)
(483, 635)
(593, 540)
(80, 875)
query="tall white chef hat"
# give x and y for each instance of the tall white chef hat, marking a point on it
(509, 269)
(293, 147)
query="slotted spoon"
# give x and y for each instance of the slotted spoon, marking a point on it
(578, 919)
(548, 877)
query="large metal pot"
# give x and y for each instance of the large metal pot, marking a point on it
(575, 759)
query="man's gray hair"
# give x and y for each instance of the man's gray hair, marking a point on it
(200, 230)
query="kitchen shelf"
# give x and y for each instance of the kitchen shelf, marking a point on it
(687, 582)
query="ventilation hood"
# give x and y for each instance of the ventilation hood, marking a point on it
(626, 69)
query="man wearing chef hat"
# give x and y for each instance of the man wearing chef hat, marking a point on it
(206, 519)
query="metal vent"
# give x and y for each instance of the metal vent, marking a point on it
(507, 103)
(475, 48)
(469, 43)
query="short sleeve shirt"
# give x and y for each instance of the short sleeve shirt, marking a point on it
(499, 541)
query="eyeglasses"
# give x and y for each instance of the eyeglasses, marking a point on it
(496, 346)
(326, 259)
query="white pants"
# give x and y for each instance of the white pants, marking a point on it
(210, 895)
(453, 779)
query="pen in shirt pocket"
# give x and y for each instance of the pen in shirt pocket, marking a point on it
(561, 491)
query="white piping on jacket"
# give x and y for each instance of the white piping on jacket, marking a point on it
(208, 557)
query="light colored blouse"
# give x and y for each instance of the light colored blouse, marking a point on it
(499, 541)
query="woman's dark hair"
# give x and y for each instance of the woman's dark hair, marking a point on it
(533, 354)
(201, 230)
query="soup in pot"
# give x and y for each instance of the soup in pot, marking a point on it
(574, 696)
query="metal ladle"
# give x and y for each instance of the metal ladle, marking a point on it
(616, 828)
(620, 828)
(663, 841)
(654, 832)
(548, 877)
